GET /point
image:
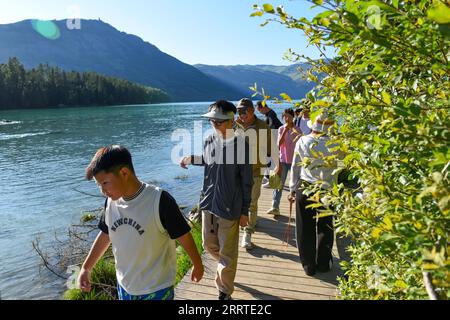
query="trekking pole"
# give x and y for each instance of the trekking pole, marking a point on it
(288, 229)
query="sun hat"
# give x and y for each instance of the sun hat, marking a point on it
(217, 113)
(322, 124)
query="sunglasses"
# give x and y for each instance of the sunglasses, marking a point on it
(242, 111)
(217, 122)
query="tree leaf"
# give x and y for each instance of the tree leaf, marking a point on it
(376, 233)
(285, 97)
(386, 98)
(395, 3)
(439, 13)
(268, 8)
(257, 14)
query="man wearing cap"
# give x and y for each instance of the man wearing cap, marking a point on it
(226, 193)
(314, 256)
(262, 146)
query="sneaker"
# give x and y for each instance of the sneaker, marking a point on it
(274, 211)
(266, 185)
(309, 270)
(224, 296)
(247, 241)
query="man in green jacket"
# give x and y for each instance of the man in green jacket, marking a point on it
(262, 147)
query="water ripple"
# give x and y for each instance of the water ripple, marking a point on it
(8, 122)
(21, 135)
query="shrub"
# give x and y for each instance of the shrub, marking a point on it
(389, 88)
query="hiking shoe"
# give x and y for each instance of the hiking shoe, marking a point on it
(247, 241)
(266, 185)
(224, 296)
(309, 270)
(274, 211)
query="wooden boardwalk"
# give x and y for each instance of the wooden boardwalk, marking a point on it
(270, 271)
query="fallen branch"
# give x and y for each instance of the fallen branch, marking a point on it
(47, 265)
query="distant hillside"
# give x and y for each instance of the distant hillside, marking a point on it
(101, 48)
(294, 71)
(274, 79)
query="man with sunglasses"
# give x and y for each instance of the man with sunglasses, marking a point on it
(226, 194)
(262, 147)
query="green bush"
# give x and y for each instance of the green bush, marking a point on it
(389, 88)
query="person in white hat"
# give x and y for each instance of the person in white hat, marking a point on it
(314, 255)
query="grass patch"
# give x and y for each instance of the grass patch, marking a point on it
(183, 260)
(88, 217)
(103, 280)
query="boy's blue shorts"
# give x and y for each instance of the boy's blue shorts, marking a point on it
(164, 294)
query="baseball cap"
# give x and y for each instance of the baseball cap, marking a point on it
(245, 103)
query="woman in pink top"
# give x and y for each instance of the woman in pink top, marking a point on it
(287, 138)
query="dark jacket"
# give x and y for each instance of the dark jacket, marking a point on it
(272, 120)
(227, 185)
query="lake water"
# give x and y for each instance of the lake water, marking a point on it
(43, 155)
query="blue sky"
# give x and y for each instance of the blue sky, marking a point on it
(218, 32)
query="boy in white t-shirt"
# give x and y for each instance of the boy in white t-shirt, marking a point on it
(141, 222)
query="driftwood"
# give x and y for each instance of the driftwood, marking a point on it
(70, 251)
(45, 260)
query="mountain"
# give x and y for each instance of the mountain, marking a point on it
(294, 71)
(99, 47)
(274, 79)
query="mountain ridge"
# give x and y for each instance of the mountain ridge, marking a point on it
(275, 80)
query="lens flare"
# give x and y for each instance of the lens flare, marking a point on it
(47, 29)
